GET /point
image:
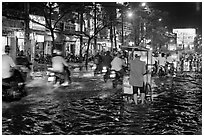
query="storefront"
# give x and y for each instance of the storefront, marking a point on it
(13, 35)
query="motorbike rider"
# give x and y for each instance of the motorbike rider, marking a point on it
(169, 61)
(9, 70)
(106, 60)
(161, 62)
(98, 62)
(118, 63)
(21, 59)
(60, 65)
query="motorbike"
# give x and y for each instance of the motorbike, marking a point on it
(54, 77)
(13, 88)
(154, 70)
(115, 76)
(118, 79)
(162, 71)
(108, 74)
(170, 67)
(24, 70)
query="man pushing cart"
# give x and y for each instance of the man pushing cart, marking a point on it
(138, 82)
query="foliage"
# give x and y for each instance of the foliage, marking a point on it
(148, 23)
(14, 10)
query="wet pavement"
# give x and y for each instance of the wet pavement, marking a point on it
(90, 106)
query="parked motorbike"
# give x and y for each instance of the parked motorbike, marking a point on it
(13, 88)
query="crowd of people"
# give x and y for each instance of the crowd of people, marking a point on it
(191, 62)
(113, 61)
(185, 62)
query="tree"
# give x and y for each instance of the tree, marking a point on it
(110, 11)
(148, 23)
(97, 16)
(18, 11)
(54, 14)
(156, 28)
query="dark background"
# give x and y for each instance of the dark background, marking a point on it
(181, 14)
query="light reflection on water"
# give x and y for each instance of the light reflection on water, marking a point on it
(177, 112)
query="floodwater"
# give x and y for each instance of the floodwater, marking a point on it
(73, 112)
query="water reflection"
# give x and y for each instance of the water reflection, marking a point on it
(178, 111)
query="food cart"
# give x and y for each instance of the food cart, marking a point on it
(146, 56)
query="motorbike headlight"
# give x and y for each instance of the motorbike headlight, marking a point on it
(104, 69)
(50, 79)
(113, 74)
(52, 74)
(94, 66)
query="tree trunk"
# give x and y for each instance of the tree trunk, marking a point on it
(53, 40)
(87, 53)
(111, 35)
(81, 37)
(114, 34)
(27, 31)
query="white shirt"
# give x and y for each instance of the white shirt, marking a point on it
(117, 64)
(7, 63)
(58, 63)
(162, 61)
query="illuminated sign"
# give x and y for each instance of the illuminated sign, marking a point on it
(185, 36)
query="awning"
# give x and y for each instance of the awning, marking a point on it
(134, 48)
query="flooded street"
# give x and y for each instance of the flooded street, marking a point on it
(75, 111)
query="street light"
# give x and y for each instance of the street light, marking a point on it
(143, 4)
(130, 14)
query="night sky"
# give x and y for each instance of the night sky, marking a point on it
(181, 14)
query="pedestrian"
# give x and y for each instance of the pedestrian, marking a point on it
(137, 71)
